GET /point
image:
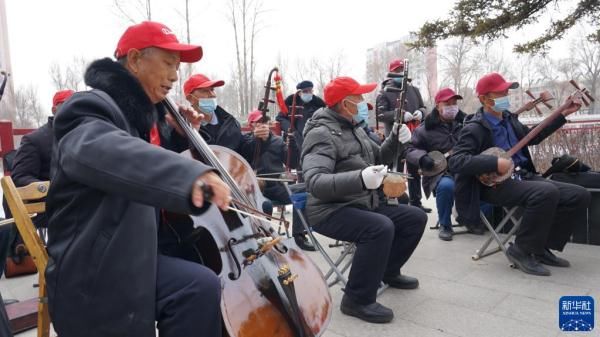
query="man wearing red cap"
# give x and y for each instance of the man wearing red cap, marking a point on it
(344, 170)
(32, 163)
(414, 112)
(439, 132)
(112, 175)
(218, 127)
(551, 209)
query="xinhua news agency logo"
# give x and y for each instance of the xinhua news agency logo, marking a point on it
(576, 313)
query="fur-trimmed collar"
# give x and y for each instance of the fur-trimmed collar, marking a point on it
(126, 90)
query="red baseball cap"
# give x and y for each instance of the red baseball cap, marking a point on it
(61, 96)
(395, 64)
(493, 82)
(154, 34)
(341, 87)
(254, 116)
(445, 95)
(200, 81)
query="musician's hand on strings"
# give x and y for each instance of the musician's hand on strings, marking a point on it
(220, 192)
(191, 115)
(261, 131)
(504, 165)
(574, 103)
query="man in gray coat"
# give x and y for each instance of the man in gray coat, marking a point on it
(344, 170)
(110, 177)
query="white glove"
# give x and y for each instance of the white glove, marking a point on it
(418, 115)
(372, 176)
(408, 117)
(404, 134)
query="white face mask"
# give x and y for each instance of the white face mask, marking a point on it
(449, 112)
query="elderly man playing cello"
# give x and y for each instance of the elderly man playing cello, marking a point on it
(105, 276)
(344, 170)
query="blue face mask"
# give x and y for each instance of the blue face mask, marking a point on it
(398, 80)
(306, 97)
(363, 112)
(207, 105)
(501, 104)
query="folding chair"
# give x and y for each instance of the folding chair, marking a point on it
(337, 268)
(23, 202)
(510, 215)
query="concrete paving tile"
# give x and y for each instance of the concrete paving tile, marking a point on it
(461, 321)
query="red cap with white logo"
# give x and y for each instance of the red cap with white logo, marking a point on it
(153, 34)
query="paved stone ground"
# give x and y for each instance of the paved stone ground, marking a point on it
(457, 296)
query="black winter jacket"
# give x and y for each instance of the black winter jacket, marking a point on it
(307, 111)
(386, 103)
(433, 135)
(32, 161)
(105, 188)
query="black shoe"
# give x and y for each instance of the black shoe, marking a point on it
(476, 230)
(526, 262)
(445, 233)
(401, 282)
(552, 260)
(372, 313)
(424, 209)
(302, 242)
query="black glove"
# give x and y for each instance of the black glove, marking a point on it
(426, 162)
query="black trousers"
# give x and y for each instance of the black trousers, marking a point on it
(414, 184)
(4, 323)
(385, 238)
(551, 210)
(188, 297)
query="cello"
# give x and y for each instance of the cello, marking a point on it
(269, 287)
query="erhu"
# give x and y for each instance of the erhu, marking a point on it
(394, 183)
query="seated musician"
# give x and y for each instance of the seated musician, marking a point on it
(32, 161)
(439, 132)
(218, 126)
(344, 171)
(551, 209)
(105, 276)
(272, 159)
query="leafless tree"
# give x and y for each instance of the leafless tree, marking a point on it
(133, 11)
(246, 20)
(29, 111)
(69, 76)
(587, 58)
